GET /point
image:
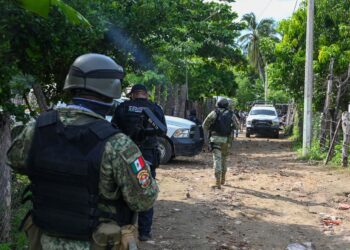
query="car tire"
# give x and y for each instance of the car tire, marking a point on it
(247, 135)
(165, 149)
(276, 135)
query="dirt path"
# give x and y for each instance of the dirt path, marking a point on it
(271, 200)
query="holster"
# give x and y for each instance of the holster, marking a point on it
(129, 239)
(107, 236)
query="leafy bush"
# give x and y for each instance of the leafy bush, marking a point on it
(19, 210)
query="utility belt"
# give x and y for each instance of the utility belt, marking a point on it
(107, 236)
(211, 133)
(110, 236)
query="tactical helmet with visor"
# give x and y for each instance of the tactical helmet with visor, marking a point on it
(96, 73)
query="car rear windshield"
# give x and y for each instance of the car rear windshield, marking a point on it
(263, 112)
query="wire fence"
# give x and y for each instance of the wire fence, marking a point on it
(332, 136)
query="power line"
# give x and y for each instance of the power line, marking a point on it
(295, 6)
(267, 5)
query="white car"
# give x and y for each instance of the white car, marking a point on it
(263, 119)
(184, 138)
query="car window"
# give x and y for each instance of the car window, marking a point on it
(262, 112)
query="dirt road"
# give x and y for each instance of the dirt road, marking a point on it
(271, 200)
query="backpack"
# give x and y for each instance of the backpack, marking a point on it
(223, 123)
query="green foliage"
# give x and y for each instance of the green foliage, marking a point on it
(331, 41)
(43, 7)
(258, 41)
(249, 88)
(18, 210)
(155, 42)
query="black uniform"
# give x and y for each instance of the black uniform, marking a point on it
(131, 120)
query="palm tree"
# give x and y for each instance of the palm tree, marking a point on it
(251, 37)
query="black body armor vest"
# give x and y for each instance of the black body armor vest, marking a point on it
(223, 123)
(135, 124)
(64, 166)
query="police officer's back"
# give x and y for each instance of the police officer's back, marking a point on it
(131, 119)
(85, 174)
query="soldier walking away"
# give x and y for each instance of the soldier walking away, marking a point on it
(87, 178)
(220, 123)
(143, 121)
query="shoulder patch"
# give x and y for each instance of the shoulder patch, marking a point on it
(138, 165)
(129, 153)
(144, 178)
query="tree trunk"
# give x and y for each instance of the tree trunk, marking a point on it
(182, 101)
(5, 179)
(162, 100)
(157, 93)
(169, 110)
(327, 104)
(40, 97)
(346, 138)
(176, 99)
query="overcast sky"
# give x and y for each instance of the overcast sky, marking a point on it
(277, 9)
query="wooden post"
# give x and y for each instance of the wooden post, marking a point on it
(346, 138)
(327, 104)
(330, 151)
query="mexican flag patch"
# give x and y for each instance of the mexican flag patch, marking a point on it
(138, 165)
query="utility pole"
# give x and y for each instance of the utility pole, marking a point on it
(307, 126)
(266, 83)
(186, 80)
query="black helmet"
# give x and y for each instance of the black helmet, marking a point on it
(97, 73)
(222, 103)
(138, 87)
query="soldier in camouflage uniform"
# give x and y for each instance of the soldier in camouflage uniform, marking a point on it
(79, 163)
(220, 124)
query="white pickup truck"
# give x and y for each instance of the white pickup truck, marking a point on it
(184, 138)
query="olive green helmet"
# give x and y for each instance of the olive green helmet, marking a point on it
(222, 103)
(97, 73)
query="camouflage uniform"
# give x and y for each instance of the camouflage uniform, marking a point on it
(220, 147)
(116, 177)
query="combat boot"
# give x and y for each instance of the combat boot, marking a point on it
(218, 181)
(223, 178)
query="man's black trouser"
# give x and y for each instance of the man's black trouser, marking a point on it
(146, 217)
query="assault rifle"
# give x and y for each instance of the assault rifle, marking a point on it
(157, 127)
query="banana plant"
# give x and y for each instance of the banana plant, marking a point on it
(43, 7)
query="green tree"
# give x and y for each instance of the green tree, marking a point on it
(254, 36)
(332, 36)
(18, 46)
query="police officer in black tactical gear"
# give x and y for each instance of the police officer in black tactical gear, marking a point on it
(131, 119)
